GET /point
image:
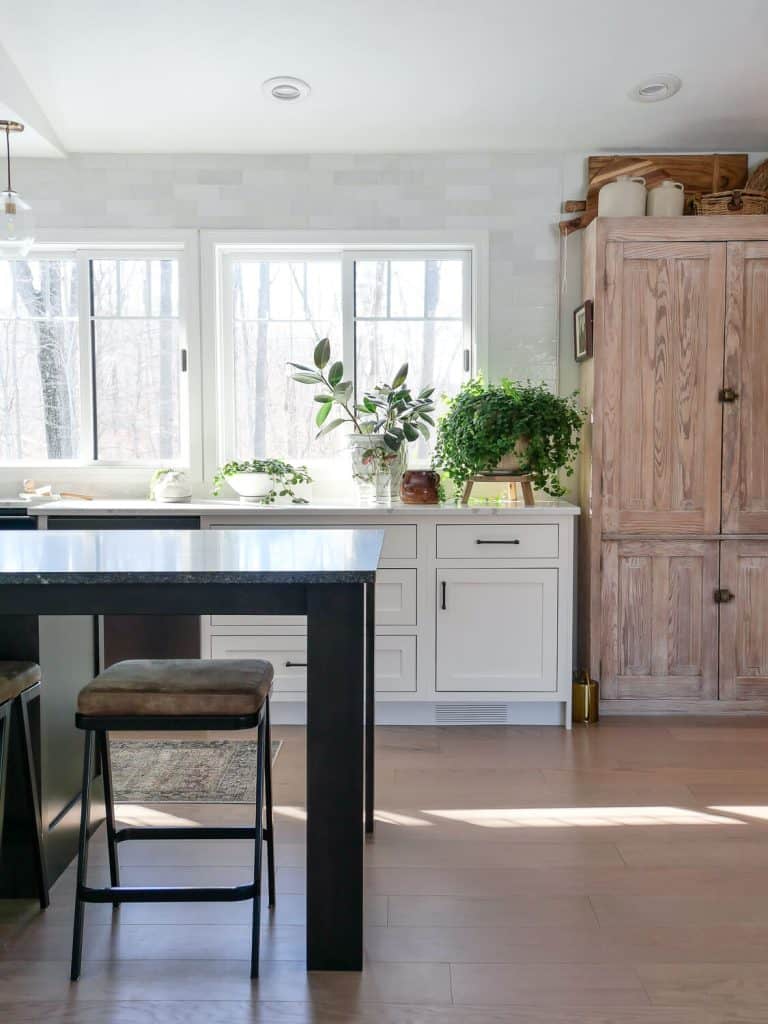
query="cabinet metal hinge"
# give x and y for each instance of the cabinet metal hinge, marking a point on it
(727, 395)
(723, 595)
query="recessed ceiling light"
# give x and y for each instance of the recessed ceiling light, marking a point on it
(656, 88)
(286, 89)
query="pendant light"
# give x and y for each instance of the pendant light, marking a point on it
(16, 222)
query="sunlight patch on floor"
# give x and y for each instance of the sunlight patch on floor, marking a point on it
(587, 817)
(760, 812)
(137, 814)
(393, 818)
(295, 813)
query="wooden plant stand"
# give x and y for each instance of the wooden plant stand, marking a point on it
(512, 482)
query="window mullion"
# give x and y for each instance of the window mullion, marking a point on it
(349, 332)
(86, 339)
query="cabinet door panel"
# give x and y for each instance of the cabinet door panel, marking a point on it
(662, 360)
(744, 620)
(660, 619)
(745, 421)
(497, 630)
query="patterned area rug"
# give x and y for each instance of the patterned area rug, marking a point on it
(186, 771)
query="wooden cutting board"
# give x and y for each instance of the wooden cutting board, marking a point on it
(699, 173)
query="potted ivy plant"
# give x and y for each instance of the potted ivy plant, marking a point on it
(512, 427)
(262, 480)
(384, 422)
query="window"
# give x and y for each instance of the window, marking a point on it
(380, 309)
(92, 360)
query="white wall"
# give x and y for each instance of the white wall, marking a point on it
(515, 197)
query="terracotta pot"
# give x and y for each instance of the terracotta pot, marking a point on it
(419, 487)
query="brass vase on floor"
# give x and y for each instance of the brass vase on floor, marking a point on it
(586, 700)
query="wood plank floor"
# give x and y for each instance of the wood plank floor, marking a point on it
(615, 875)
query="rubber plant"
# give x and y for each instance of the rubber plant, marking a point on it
(484, 422)
(388, 410)
(284, 477)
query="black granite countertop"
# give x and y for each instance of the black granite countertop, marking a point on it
(179, 556)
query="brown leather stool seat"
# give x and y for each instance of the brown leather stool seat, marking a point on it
(179, 687)
(15, 677)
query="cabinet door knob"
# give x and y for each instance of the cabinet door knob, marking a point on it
(723, 596)
(728, 395)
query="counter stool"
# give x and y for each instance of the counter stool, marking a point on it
(19, 689)
(143, 696)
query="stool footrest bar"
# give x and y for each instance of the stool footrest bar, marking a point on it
(187, 832)
(167, 894)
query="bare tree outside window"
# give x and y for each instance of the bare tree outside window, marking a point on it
(39, 361)
(410, 310)
(137, 353)
(280, 309)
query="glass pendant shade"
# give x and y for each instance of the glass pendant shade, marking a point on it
(16, 223)
(16, 227)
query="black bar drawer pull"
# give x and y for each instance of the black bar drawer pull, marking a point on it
(497, 542)
(295, 664)
(443, 587)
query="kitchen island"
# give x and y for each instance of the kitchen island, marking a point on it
(321, 575)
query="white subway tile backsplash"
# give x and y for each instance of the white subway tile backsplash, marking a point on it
(514, 196)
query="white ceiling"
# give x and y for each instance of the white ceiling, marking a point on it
(390, 75)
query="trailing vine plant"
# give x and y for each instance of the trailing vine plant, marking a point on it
(485, 422)
(284, 477)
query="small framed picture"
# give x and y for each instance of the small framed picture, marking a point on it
(582, 332)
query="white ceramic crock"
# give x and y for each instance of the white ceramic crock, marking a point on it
(666, 200)
(173, 487)
(624, 197)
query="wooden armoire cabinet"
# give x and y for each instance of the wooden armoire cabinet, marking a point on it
(673, 585)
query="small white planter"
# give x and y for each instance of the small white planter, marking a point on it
(252, 487)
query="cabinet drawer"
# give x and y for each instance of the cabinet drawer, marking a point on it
(396, 597)
(395, 664)
(395, 660)
(498, 541)
(399, 541)
(395, 605)
(288, 655)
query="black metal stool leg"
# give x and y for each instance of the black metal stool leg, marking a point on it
(82, 856)
(258, 844)
(32, 792)
(269, 831)
(109, 804)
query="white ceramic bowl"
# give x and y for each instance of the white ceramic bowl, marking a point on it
(251, 486)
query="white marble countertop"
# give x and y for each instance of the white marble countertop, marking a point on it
(216, 507)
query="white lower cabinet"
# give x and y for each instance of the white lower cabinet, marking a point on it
(395, 660)
(500, 650)
(497, 630)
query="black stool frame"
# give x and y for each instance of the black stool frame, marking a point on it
(96, 738)
(15, 731)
